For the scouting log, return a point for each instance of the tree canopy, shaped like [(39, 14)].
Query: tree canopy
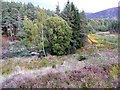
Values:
[(59, 35), (72, 16)]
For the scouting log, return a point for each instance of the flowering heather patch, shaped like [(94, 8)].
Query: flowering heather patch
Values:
[(87, 77), (98, 69)]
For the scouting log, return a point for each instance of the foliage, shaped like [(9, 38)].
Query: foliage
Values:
[(73, 18), (34, 34), (54, 65), (81, 57), (27, 29), (114, 26), (100, 24), (29, 23), (17, 49), (59, 35), (41, 26), (57, 10), (89, 29), (13, 14)]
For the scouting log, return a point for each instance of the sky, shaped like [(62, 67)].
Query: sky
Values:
[(86, 5)]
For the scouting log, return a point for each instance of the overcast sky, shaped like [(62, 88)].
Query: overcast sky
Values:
[(86, 5)]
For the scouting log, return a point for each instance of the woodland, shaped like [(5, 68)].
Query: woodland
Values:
[(42, 48)]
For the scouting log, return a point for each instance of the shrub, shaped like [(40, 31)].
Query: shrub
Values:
[(59, 35), (81, 57), (87, 77), (54, 66)]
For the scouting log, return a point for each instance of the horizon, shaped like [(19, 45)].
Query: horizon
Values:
[(87, 6)]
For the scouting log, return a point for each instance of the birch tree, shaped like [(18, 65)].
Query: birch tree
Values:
[(41, 25)]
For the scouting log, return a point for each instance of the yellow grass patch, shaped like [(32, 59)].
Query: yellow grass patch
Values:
[(92, 38)]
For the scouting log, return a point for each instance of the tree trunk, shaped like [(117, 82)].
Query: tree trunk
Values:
[(43, 44)]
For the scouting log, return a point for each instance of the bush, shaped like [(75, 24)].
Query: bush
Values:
[(58, 35), (81, 57), (54, 65)]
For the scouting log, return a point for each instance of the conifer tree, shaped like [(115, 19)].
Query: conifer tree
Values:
[(27, 29), (72, 16), (57, 10)]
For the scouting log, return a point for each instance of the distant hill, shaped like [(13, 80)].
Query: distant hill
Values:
[(88, 13), (108, 13)]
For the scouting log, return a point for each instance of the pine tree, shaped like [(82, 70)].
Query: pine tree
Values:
[(57, 10), (27, 29), (72, 16), (66, 13)]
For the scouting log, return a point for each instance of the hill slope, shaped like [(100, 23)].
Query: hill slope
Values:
[(108, 13)]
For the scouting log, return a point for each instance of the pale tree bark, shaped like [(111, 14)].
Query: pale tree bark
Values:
[(41, 23), (43, 42)]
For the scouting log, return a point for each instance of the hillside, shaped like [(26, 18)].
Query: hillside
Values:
[(108, 13)]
